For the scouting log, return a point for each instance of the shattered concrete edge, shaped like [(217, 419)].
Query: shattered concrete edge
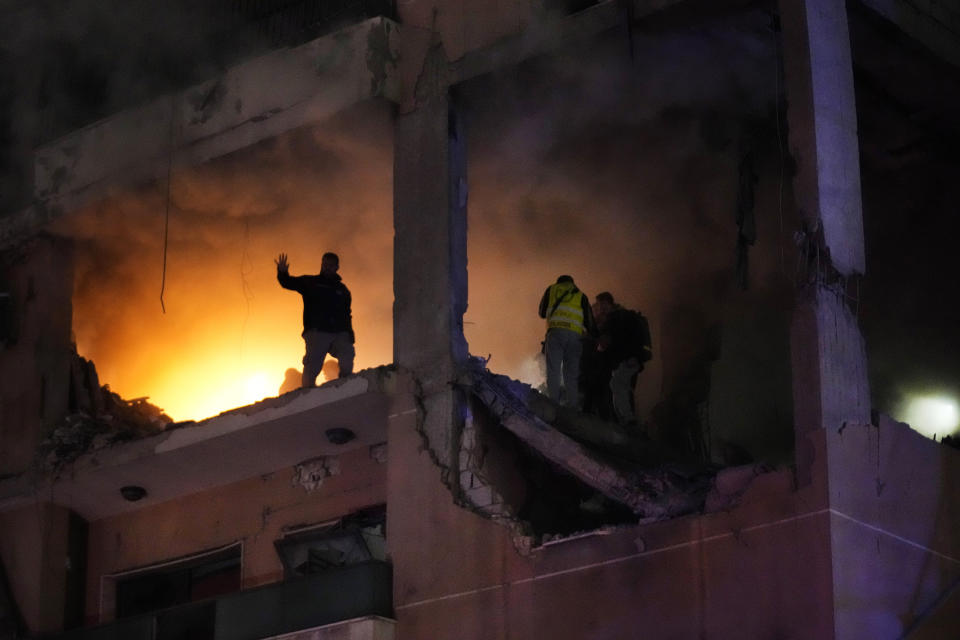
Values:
[(520, 531), (657, 493), (38, 479)]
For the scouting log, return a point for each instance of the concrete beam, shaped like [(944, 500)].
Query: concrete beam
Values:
[(253, 101), (823, 127), (651, 492)]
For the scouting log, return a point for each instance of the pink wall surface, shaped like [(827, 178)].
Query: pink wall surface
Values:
[(253, 512)]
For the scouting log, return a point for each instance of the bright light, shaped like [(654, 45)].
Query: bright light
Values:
[(258, 386), (932, 415)]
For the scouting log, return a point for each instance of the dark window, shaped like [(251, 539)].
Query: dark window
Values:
[(194, 579), (76, 583), (355, 538), (6, 318)]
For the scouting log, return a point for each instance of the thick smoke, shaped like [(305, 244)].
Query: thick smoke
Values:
[(622, 173), (67, 63), (227, 322)]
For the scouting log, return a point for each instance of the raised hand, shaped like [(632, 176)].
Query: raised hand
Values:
[(283, 266)]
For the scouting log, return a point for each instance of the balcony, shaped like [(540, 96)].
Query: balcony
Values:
[(342, 594)]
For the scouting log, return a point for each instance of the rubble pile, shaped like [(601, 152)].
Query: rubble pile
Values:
[(97, 418)]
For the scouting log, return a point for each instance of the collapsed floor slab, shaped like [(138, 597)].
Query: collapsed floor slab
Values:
[(650, 491)]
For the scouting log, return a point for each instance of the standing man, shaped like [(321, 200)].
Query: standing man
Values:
[(567, 312), (624, 346), (327, 322)]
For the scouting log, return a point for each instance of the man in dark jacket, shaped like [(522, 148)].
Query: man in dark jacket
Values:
[(623, 347), (327, 322)]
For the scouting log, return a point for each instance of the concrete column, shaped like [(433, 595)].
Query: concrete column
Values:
[(34, 550), (36, 358), (823, 126), (430, 262), (830, 384)]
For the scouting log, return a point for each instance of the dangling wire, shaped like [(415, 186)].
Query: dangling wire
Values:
[(166, 219), (246, 266)]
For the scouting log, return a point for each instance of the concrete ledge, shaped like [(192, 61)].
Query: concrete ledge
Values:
[(242, 443)]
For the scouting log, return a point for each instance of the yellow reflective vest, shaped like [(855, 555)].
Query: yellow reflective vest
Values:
[(565, 308)]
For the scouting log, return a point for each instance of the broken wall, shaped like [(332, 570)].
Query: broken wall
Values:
[(36, 354), (625, 173), (760, 570)]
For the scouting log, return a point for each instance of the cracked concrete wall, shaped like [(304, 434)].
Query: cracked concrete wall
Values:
[(760, 570), (894, 513), (35, 362), (430, 262), (829, 363), (254, 511), (829, 358)]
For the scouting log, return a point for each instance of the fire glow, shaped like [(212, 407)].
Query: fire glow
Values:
[(227, 333)]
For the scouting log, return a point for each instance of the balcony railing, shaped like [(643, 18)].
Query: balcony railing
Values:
[(353, 591)]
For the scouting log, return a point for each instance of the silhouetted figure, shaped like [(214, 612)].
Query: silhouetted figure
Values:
[(292, 379), (331, 370), (327, 321), (623, 346), (567, 312)]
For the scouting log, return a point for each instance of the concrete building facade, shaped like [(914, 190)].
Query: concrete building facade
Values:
[(253, 514)]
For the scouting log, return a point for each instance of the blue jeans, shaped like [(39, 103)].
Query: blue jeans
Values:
[(563, 349)]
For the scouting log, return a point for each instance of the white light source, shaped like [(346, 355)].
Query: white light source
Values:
[(932, 415)]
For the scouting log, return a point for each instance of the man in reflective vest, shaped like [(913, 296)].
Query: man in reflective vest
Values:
[(567, 312)]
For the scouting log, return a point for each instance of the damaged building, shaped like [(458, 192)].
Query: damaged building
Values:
[(735, 169)]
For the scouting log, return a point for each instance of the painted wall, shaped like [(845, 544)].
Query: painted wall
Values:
[(253, 512)]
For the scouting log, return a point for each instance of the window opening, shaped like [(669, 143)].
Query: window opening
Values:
[(194, 579), (355, 538)]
